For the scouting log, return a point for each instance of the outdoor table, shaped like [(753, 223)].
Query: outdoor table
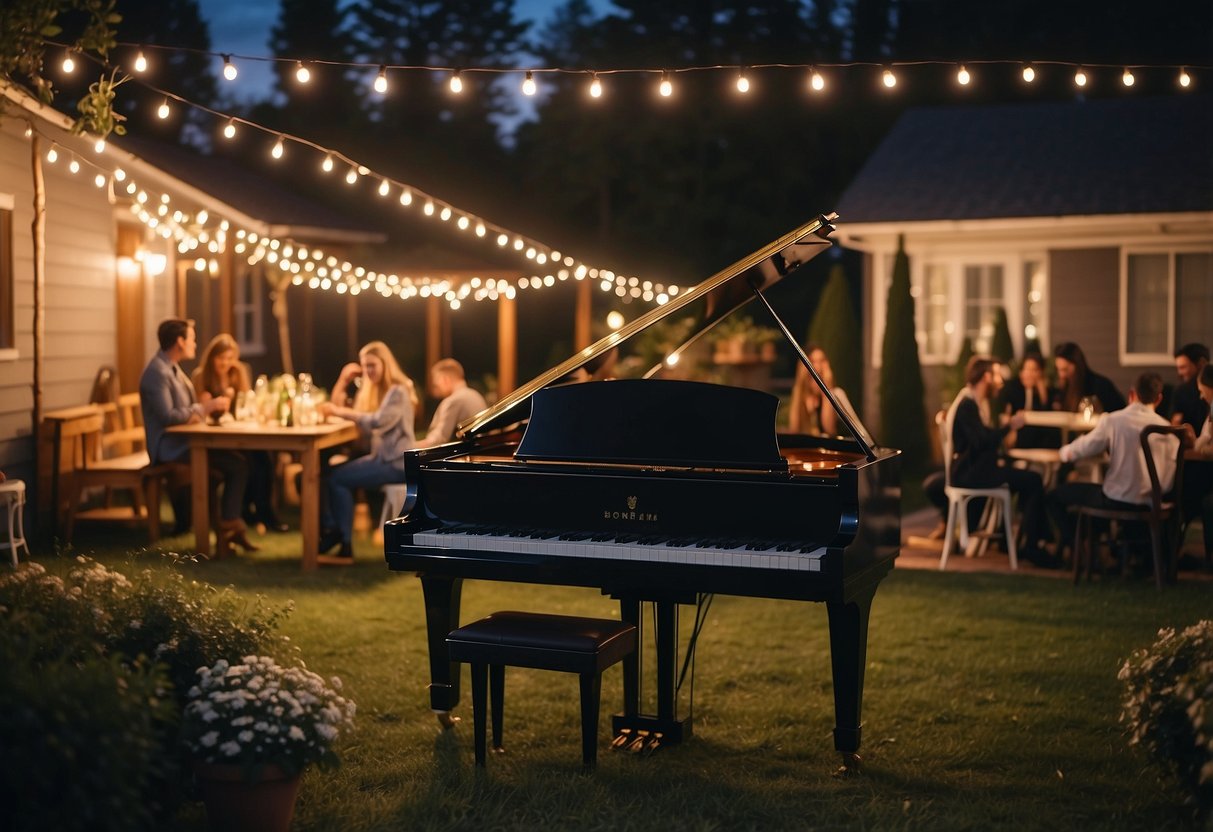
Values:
[(1066, 421), (251, 436), (1048, 460)]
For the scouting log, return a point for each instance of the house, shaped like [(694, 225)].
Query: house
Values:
[(1086, 220)]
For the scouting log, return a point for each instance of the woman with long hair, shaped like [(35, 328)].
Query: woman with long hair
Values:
[(1078, 381), (811, 411), (383, 409), (220, 372)]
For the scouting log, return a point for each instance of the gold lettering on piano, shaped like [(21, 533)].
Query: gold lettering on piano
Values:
[(631, 514)]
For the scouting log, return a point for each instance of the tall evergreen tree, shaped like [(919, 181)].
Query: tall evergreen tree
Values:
[(1001, 346), (835, 329), (902, 411)]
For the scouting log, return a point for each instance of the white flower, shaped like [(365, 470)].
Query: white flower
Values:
[(209, 739), (296, 733), (231, 748), (325, 730), (245, 736)]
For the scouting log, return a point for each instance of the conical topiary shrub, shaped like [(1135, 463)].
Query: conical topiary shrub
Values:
[(835, 329), (903, 422)]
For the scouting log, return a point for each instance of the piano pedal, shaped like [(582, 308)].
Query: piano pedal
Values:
[(623, 738), (637, 745), (654, 743)]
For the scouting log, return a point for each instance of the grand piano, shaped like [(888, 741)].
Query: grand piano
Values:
[(659, 490)]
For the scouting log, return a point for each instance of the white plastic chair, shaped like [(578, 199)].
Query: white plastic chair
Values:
[(393, 501), (998, 502), (12, 495)]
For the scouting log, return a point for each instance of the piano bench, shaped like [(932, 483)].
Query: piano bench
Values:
[(585, 646)]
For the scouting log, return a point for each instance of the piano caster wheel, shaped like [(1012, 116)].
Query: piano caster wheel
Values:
[(447, 720), (851, 764)]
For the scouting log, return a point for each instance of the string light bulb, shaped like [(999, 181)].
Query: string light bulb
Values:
[(163, 109), (962, 76), (52, 155), (69, 64), (743, 82), (74, 166), (1127, 78), (595, 86), (1080, 77), (229, 68), (456, 83), (327, 164), (384, 188), (351, 176), (99, 146), (888, 78), (279, 148), (1029, 74), (429, 209), (406, 197), (666, 88), (816, 82), (229, 129), (302, 73), (140, 62), (1185, 80), (381, 81), (528, 84), (99, 180)]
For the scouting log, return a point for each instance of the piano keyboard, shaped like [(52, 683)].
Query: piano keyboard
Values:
[(746, 554)]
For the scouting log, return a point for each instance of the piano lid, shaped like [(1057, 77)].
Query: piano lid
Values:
[(722, 293)]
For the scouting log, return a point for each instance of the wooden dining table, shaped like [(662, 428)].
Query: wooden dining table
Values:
[(306, 441), (1064, 420)]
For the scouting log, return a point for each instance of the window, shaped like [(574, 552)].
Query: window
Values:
[(932, 311), (8, 338), (1034, 316), (246, 311), (983, 294), (1166, 300)]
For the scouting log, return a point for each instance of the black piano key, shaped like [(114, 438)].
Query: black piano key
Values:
[(575, 536), (627, 538)]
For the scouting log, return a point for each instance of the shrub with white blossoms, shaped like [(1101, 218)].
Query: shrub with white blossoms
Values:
[(258, 713)]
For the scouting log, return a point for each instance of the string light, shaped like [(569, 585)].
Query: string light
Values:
[(229, 129), (528, 84), (381, 81), (163, 109), (99, 146), (406, 197), (743, 82), (429, 208), (302, 73), (74, 165), (888, 78), (384, 188), (229, 68), (327, 164), (595, 86), (52, 155), (99, 180), (1080, 77), (1127, 78), (816, 82), (1029, 74), (351, 176), (666, 88), (1185, 80), (962, 76), (456, 83), (69, 65), (279, 148), (140, 62)]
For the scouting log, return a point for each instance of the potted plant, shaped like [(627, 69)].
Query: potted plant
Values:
[(252, 728)]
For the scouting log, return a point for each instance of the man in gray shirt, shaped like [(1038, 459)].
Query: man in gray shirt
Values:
[(459, 402)]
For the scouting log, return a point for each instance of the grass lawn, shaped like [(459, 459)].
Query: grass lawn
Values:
[(991, 703)]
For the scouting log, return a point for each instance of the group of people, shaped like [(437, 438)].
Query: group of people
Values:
[(383, 406), (987, 416)]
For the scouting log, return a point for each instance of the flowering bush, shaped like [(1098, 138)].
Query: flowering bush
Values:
[(258, 713), (1168, 707)]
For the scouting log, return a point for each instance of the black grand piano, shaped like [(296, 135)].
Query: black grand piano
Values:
[(658, 490)]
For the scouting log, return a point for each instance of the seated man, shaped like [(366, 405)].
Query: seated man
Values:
[(1126, 484), (166, 397), (459, 402), (1188, 407), (975, 448)]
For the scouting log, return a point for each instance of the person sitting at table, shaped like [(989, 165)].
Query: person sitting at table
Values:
[(1030, 390), (222, 373), (975, 453), (1078, 381), (1198, 469), (166, 398), (459, 402), (811, 411), (1126, 484), (1188, 407), (383, 410)]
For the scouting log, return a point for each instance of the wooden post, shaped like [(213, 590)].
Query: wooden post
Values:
[(38, 230), (282, 315), (128, 305), (507, 346), (433, 332), (582, 315), (227, 263)]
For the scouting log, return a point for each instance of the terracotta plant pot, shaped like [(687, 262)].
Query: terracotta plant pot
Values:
[(234, 804)]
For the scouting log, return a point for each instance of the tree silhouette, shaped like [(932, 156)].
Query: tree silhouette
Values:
[(1001, 346), (902, 414), (835, 329)]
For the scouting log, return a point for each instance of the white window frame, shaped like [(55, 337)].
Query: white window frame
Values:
[(8, 203), (1149, 359), (252, 342)]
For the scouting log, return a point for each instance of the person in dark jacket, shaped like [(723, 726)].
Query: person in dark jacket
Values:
[(1030, 390), (975, 459), (1187, 406), (1078, 381)]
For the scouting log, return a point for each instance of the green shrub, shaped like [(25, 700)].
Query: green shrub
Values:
[(903, 418), (1168, 707)]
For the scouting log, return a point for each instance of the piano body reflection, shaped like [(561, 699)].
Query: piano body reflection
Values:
[(658, 490)]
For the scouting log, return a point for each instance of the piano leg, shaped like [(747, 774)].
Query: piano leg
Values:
[(629, 613), (848, 656), (442, 600), (646, 732)]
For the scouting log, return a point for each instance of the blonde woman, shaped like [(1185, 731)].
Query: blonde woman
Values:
[(383, 409), (811, 412), (220, 372)]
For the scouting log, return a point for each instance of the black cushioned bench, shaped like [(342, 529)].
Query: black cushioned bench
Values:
[(585, 646)]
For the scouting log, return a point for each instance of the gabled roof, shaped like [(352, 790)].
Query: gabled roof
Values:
[(1050, 159)]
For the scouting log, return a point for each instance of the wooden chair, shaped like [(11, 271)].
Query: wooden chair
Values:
[(998, 505), (1162, 511), (131, 472)]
